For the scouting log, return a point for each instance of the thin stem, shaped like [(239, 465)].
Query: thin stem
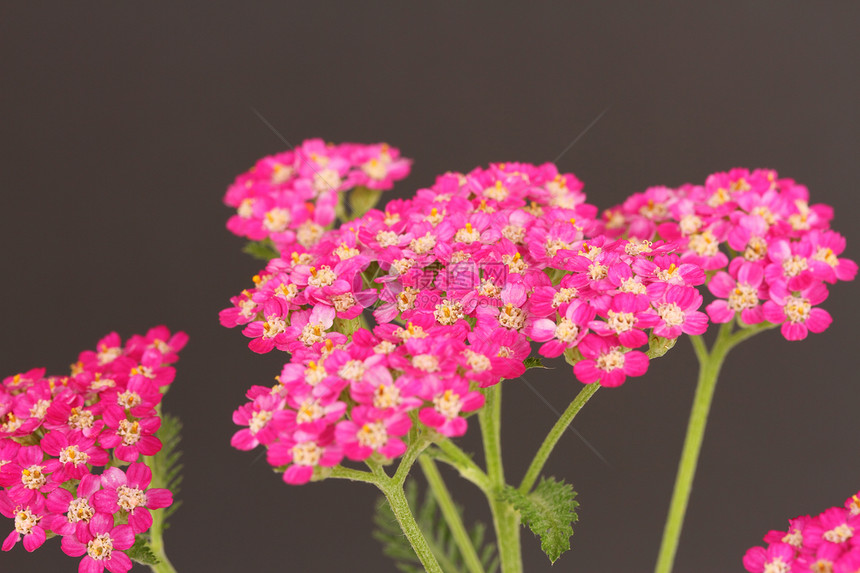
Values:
[(400, 508), (341, 472), (156, 543), (451, 454), (506, 520), (709, 370), (392, 488), (412, 452), (554, 436), (452, 516)]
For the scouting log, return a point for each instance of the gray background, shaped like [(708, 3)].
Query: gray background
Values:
[(123, 124)]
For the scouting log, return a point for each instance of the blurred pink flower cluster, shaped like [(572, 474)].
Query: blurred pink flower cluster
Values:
[(826, 543), (772, 253), (292, 196), (62, 438)]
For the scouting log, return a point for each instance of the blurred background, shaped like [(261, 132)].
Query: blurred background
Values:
[(123, 124)]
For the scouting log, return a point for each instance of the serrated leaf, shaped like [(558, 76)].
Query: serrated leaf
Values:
[(264, 250), (166, 465), (549, 513), (362, 200), (141, 552), (533, 362), (435, 530)]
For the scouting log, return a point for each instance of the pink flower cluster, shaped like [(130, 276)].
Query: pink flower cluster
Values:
[(770, 252), (827, 543), (292, 196), (458, 280), (55, 432)]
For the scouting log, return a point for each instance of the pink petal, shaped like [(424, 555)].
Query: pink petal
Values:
[(794, 330), (819, 320), (35, 539), (635, 363), (118, 563), (123, 536), (140, 520), (12, 539), (72, 547), (157, 498), (587, 371), (139, 475), (90, 565)]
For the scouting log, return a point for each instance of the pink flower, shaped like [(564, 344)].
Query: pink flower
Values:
[(797, 313), (75, 452), (127, 491), (677, 312), (71, 514), (131, 438), (606, 363), (102, 546), (264, 417), (566, 331), (777, 557), (27, 476), (625, 316), (373, 430), (450, 398), (741, 296), (300, 453), (27, 522), (270, 332)]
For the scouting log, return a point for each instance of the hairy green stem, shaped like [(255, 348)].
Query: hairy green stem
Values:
[(400, 508), (451, 454), (451, 515), (554, 436), (392, 488), (710, 363), (506, 520)]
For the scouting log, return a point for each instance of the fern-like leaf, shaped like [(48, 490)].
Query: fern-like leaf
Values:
[(141, 552), (166, 464), (435, 529), (264, 250), (549, 513)]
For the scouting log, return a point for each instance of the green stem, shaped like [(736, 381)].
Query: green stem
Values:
[(506, 520), (554, 436), (341, 472), (392, 488), (451, 454), (452, 516), (400, 508), (156, 543), (709, 370)]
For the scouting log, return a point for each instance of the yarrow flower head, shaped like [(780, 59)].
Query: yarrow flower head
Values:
[(828, 542), (58, 434), (461, 278)]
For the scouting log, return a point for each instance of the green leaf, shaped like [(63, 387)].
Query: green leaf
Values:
[(533, 362), (549, 513), (141, 552), (362, 200), (435, 530), (264, 250), (166, 465)]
